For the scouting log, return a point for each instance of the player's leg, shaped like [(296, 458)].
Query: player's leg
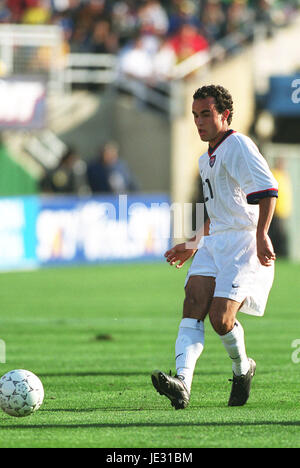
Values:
[(222, 316), (190, 342), (199, 291), (189, 345)]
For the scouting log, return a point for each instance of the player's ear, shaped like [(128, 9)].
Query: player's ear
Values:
[(225, 114)]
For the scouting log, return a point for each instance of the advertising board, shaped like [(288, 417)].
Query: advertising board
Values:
[(64, 230)]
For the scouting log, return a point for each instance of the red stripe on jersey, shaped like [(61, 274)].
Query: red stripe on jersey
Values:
[(261, 191), (254, 197)]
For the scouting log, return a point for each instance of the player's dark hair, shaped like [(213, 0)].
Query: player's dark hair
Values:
[(221, 95)]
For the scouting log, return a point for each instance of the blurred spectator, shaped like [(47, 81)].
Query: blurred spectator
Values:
[(213, 20), (108, 174), (153, 18), (5, 13), (65, 5), (239, 23), (188, 41), (80, 37), (180, 12), (164, 61), (38, 14), (61, 5), (263, 15), (124, 20), (148, 62), (68, 177), (136, 62), (19, 7), (238, 17), (103, 40), (85, 18), (278, 229)]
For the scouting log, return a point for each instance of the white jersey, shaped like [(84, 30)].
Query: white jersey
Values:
[(235, 177)]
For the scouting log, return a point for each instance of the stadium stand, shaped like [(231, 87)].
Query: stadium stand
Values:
[(145, 48), (147, 40), (156, 31)]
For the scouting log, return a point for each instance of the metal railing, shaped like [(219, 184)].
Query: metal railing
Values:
[(90, 68), (103, 69), (33, 50)]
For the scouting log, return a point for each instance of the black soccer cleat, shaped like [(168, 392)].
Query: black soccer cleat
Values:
[(171, 387), (241, 384)]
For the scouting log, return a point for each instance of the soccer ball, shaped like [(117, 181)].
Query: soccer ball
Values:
[(21, 393)]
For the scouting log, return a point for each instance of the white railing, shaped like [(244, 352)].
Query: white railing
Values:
[(90, 68), (32, 50), (104, 69)]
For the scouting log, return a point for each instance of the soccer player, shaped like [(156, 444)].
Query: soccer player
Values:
[(233, 265)]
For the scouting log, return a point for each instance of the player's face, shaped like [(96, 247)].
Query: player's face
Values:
[(209, 122)]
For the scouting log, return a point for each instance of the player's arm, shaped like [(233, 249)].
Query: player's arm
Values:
[(182, 252), (265, 251), (248, 167)]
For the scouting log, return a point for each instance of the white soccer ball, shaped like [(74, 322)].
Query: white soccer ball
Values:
[(21, 393)]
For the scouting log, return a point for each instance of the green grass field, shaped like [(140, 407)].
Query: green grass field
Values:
[(94, 334)]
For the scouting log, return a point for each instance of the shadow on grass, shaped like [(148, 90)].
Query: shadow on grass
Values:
[(93, 374), (157, 425), (110, 373)]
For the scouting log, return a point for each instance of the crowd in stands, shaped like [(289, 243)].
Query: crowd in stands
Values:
[(149, 35)]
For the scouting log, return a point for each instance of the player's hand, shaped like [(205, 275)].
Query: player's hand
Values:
[(265, 251), (179, 255)]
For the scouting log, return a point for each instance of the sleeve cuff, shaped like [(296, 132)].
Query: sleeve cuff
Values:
[(255, 197)]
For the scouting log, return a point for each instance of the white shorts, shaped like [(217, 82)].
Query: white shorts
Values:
[(230, 257)]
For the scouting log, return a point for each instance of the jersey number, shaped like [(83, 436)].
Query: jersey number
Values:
[(210, 190)]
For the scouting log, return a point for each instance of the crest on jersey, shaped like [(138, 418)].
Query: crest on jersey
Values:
[(212, 160)]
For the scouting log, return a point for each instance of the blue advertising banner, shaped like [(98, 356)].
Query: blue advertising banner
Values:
[(284, 96), (102, 229), (18, 232), (44, 231)]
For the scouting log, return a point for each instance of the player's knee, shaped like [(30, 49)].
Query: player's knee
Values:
[(192, 305), (221, 323)]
